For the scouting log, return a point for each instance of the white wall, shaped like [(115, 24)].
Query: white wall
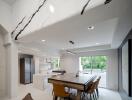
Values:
[(5, 16), (124, 24), (71, 64), (36, 61), (2, 67)]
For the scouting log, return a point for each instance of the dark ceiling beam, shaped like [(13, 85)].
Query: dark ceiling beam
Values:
[(18, 26), (85, 7), (32, 16), (107, 1)]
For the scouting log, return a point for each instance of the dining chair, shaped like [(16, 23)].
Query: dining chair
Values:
[(59, 91), (97, 84), (93, 89), (28, 97)]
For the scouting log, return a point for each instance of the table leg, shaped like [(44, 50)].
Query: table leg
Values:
[(78, 95)]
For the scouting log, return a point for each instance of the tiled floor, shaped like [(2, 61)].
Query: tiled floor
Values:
[(47, 95)]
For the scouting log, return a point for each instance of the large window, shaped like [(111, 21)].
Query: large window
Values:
[(56, 63), (92, 63), (95, 65)]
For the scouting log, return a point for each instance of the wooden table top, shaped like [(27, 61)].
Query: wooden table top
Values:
[(83, 79), (80, 83)]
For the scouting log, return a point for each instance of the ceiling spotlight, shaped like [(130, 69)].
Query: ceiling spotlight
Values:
[(52, 9), (90, 27), (71, 42), (43, 40)]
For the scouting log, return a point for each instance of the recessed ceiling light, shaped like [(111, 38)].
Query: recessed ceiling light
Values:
[(43, 40), (97, 43), (52, 9), (90, 27)]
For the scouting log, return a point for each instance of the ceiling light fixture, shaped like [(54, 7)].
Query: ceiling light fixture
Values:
[(70, 52), (52, 9), (43, 40), (90, 27), (97, 43)]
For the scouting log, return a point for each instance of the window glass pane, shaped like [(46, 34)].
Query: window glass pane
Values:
[(94, 62), (86, 62), (95, 65), (55, 63)]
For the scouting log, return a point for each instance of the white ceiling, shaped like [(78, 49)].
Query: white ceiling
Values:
[(104, 18), (93, 48), (58, 35), (10, 2)]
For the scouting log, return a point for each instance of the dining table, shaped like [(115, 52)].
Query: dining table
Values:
[(80, 82)]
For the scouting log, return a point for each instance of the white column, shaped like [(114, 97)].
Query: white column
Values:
[(36, 61), (2, 66), (11, 67)]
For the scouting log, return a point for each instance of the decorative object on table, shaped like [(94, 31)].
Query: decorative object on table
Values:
[(77, 74)]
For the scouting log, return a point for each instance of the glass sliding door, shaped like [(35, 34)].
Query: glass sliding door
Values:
[(95, 65)]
